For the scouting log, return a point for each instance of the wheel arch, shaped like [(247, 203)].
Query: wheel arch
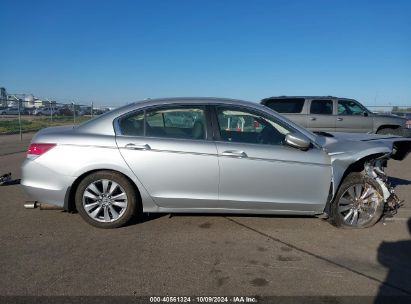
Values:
[(357, 166), (355, 178), (69, 202), (387, 126)]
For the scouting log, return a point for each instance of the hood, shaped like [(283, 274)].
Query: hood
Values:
[(361, 145), (359, 136), (389, 116)]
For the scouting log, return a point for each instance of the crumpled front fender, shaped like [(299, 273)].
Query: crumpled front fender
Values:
[(342, 157), (341, 161)]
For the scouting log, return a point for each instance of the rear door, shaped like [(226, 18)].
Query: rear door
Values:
[(320, 115), (168, 150)]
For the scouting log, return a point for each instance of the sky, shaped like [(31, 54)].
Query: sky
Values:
[(116, 52)]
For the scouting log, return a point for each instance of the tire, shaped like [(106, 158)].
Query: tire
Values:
[(98, 206), (390, 131), (364, 212)]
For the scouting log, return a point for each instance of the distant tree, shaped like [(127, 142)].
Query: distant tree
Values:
[(395, 109)]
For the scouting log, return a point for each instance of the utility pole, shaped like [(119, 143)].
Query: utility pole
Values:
[(74, 113), (19, 109), (51, 109)]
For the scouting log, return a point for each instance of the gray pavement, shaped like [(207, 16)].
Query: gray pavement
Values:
[(57, 253)]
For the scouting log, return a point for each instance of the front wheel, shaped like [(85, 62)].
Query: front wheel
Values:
[(106, 199), (359, 202), (390, 131)]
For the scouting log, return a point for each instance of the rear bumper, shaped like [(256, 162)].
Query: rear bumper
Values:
[(44, 185), (44, 195)]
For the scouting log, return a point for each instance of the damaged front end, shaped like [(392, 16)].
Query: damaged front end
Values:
[(374, 168), (368, 155)]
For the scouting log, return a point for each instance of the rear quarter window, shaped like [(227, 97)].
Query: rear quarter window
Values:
[(286, 105)]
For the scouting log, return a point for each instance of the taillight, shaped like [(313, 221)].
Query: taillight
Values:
[(39, 149)]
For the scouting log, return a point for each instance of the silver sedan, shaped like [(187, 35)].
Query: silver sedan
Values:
[(213, 156)]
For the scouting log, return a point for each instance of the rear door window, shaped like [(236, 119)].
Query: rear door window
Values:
[(286, 105), (133, 125), (321, 106), (177, 122), (184, 122)]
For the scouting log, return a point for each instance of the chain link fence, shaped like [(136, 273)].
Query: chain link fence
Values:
[(20, 118)]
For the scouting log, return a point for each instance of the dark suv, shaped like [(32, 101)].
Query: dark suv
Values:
[(334, 114)]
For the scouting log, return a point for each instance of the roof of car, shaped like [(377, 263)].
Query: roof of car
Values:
[(109, 116), (191, 100), (305, 97), (188, 100)]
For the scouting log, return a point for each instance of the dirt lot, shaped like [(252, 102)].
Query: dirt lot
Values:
[(57, 253)]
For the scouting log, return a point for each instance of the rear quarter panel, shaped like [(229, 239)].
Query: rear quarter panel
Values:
[(76, 154)]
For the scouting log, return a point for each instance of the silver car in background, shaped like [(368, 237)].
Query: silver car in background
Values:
[(222, 156)]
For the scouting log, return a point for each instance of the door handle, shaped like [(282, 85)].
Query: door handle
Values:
[(313, 118), (339, 119), (137, 147), (234, 153)]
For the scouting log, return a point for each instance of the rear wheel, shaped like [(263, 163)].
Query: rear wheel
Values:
[(106, 199), (359, 202)]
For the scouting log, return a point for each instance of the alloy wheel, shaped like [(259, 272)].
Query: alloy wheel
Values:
[(359, 204), (104, 200)]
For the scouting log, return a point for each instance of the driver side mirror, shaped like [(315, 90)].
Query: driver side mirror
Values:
[(365, 114), (297, 141)]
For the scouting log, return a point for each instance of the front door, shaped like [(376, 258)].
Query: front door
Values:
[(351, 117), (259, 172)]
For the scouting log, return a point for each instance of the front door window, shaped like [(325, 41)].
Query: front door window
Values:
[(349, 107), (242, 126)]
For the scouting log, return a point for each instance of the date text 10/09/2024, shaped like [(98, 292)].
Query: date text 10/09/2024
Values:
[(171, 299)]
